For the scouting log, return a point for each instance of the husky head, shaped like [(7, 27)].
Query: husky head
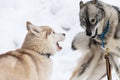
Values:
[(91, 13), (42, 39)]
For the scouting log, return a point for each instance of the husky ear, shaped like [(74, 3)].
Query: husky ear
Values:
[(28, 25), (31, 28), (81, 4), (94, 1)]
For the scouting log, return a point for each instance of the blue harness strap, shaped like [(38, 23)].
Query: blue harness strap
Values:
[(102, 36)]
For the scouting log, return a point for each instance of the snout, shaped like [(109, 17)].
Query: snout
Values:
[(63, 34), (59, 37), (88, 33)]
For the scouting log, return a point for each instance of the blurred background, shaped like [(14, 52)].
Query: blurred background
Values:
[(61, 15)]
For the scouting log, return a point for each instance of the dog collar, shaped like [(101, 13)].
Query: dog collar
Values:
[(46, 54), (102, 35)]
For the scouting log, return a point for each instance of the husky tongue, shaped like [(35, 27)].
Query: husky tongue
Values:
[(59, 46)]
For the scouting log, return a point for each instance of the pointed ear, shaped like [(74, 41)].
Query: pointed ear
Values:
[(94, 1), (31, 28), (81, 4), (29, 25)]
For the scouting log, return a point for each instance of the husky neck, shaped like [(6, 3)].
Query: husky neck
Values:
[(43, 54), (46, 54), (111, 15), (31, 52), (38, 45)]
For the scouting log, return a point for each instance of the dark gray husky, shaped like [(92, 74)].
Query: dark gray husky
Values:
[(98, 19)]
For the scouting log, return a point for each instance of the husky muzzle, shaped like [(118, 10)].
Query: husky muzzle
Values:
[(90, 33)]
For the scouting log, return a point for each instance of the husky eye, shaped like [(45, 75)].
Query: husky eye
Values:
[(93, 21), (53, 32)]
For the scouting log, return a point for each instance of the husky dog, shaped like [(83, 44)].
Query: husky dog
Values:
[(94, 17), (32, 61)]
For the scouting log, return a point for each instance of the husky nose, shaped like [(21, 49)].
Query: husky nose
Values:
[(63, 34), (88, 33)]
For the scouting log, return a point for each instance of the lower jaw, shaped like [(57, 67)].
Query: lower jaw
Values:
[(58, 49)]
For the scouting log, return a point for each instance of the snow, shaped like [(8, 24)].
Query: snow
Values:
[(59, 14)]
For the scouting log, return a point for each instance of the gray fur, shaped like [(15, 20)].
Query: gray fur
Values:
[(95, 1), (81, 4), (90, 69), (117, 34)]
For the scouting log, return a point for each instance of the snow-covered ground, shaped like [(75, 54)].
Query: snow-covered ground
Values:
[(61, 15)]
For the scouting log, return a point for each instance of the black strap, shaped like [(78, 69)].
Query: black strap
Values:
[(46, 54)]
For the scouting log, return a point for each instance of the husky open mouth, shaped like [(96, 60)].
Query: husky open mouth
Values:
[(58, 45)]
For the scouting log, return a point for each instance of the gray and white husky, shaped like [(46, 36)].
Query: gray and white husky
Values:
[(95, 18)]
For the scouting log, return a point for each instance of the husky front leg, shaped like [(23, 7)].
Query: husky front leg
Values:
[(115, 64), (80, 71), (99, 72), (87, 66)]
